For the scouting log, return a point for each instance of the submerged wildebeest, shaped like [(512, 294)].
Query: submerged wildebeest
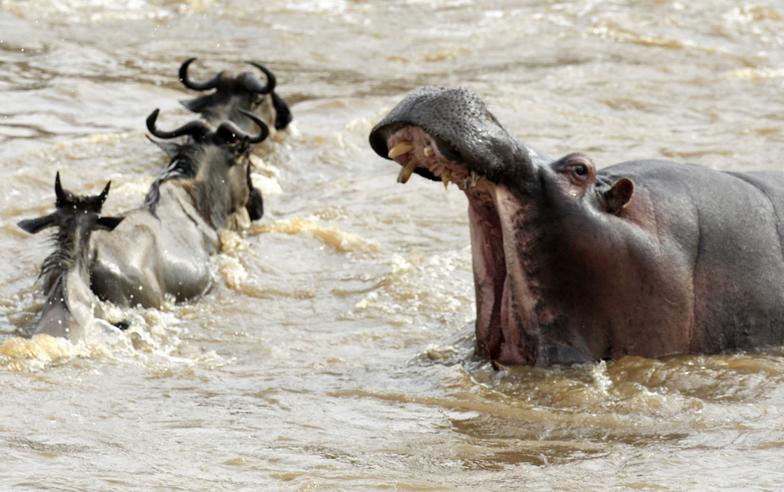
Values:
[(65, 273), (233, 97), (164, 247), (572, 264), (234, 94)]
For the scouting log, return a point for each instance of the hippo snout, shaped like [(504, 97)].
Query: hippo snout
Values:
[(462, 127)]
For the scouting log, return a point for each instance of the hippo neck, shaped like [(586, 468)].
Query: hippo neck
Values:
[(520, 261)]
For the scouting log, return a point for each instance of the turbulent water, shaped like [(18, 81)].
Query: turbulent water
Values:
[(335, 350)]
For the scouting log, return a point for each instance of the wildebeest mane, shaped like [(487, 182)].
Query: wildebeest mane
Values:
[(182, 166)]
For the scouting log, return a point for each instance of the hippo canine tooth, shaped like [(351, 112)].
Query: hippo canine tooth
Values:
[(405, 173), (400, 149), (474, 178), (445, 178)]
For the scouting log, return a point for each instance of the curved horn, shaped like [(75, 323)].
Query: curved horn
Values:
[(197, 129), (229, 131), (254, 85), (196, 84)]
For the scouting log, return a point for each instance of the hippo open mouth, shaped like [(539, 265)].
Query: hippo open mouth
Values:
[(494, 214), (427, 137)]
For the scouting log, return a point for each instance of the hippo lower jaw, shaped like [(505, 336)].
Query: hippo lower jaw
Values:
[(506, 303)]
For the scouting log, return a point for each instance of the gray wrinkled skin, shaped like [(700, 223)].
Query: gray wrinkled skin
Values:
[(681, 259), (464, 128)]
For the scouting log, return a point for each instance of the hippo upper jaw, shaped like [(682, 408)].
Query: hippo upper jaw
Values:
[(458, 125)]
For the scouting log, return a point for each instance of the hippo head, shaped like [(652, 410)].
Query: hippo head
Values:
[(216, 162), (521, 209), (235, 93)]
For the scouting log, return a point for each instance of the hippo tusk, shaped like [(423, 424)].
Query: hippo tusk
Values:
[(405, 173), (196, 84), (445, 178), (400, 149)]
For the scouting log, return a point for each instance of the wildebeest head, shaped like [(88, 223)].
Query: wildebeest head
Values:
[(234, 93), (217, 165), (74, 212), (75, 217)]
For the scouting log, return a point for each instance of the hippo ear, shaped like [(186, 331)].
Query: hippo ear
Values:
[(36, 225), (619, 195), (108, 223)]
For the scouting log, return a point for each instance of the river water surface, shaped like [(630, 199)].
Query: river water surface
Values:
[(335, 350)]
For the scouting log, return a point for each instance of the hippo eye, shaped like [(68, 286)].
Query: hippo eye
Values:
[(580, 170)]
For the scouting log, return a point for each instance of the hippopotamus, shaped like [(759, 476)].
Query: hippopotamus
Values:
[(572, 264)]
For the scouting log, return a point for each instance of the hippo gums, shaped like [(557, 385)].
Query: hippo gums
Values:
[(65, 276), (234, 93), (572, 264)]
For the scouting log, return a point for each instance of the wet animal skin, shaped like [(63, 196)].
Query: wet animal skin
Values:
[(574, 264)]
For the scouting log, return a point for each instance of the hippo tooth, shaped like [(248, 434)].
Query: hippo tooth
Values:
[(405, 173), (445, 178), (400, 149), (428, 151)]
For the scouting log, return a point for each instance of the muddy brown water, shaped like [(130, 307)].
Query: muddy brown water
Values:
[(334, 351)]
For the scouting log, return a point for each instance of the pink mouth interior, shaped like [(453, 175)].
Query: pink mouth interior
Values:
[(436, 163), (493, 238)]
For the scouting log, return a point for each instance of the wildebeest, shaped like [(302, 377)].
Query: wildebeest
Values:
[(65, 273), (164, 247), (234, 94)]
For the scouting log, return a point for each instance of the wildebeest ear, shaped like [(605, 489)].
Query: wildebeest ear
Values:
[(282, 112), (35, 225), (197, 104), (619, 195), (169, 148), (255, 204), (108, 223)]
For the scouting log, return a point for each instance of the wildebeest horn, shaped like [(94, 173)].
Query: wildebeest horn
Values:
[(104, 193), (62, 197), (254, 85), (229, 131), (196, 128), (195, 84)]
